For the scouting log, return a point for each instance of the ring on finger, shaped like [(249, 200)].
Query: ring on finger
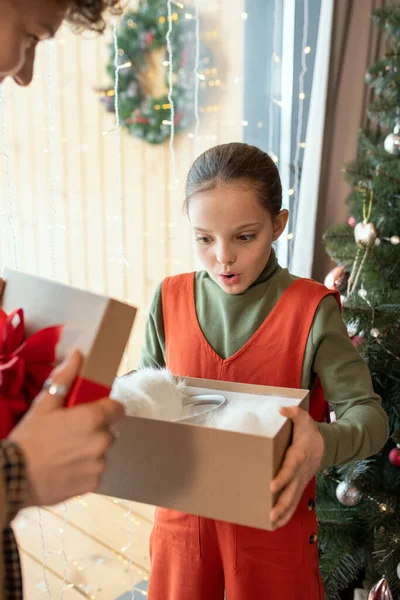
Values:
[(55, 389)]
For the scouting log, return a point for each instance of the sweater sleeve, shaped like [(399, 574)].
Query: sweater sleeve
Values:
[(153, 350), (361, 427)]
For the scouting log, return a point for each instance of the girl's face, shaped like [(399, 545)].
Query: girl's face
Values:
[(23, 24), (233, 234)]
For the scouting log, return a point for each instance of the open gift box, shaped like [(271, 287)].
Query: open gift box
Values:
[(96, 325), (193, 467)]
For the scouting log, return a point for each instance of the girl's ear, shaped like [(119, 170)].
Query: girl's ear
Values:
[(279, 223)]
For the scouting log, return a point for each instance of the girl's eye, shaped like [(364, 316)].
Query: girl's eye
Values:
[(246, 237), (203, 239)]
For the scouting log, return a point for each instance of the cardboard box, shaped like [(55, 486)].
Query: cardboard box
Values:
[(193, 468), (96, 325)]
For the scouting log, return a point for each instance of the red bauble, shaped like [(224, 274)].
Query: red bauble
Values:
[(394, 457), (149, 38), (380, 591)]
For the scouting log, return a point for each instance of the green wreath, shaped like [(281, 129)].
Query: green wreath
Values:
[(143, 49)]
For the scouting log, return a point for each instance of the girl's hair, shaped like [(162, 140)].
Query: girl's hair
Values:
[(234, 162)]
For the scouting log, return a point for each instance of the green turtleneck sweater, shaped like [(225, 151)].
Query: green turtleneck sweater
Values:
[(228, 321)]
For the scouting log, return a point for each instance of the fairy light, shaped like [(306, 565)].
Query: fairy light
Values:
[(64, 585), (123, 262), (128, 516), (273, 62), (196, 80), (51, 157), (10, 210), (300, 116), (44, 554), (170, 90)]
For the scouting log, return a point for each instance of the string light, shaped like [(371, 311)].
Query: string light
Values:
[(170, 90), (10, 211), (297, 170), (64, 585), (117, 68), (196, 81), (273, 63), (128, 516), (44, 554), (244, 16), (51, 156)]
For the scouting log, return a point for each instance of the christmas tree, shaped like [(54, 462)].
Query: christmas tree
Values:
[(359, 503)]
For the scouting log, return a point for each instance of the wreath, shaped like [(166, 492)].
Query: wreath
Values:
[(143, 76)]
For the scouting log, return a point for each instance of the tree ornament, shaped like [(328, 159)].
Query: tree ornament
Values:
[(392, 141), (398, 570), (351, 221), (337, 279), (380, 591), (394, 456), (357, 340), (348, 494), (365, 234)]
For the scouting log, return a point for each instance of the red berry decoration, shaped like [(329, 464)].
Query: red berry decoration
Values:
[(394, 457)]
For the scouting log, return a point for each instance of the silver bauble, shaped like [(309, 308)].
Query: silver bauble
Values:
[(392, 142), (348, 494)]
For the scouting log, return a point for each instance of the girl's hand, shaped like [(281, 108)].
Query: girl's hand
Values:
[(302, 461)]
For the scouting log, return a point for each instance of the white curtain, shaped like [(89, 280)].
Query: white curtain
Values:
[(304, 234)]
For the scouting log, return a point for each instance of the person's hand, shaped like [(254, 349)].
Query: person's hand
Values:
[(65, 448), (302, 461)]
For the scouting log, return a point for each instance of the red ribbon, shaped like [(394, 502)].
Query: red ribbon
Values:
[(25, 364), (86, 390)]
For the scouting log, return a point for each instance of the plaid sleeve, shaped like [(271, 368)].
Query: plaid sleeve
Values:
[(13, 470)]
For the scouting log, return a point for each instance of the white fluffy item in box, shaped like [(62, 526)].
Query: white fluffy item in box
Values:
[(154, 394)]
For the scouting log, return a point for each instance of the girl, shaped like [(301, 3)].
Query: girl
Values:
[(246, 319)]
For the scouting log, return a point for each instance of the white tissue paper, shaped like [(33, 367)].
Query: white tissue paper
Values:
[(154, 394), (150, 394), (257, 416)]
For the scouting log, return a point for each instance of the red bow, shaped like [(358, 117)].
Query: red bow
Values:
[(25, 364)]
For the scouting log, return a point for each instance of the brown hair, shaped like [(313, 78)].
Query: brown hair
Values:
[(89, 14), (232, 162)]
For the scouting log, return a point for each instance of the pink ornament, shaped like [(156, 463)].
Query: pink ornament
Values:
[(149, 38), (184, 58), (357, 340), (394, 457), (380, 591), (351, 221), (178, 118), (337, 278)]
